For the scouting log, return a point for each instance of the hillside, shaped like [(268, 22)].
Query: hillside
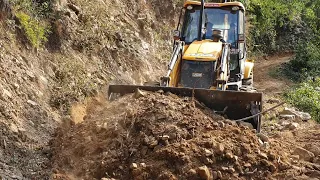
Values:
[(90, 44)]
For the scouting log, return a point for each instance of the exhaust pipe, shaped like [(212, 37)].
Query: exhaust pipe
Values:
[(200, 22)]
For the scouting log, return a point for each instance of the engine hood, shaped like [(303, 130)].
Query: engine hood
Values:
[(205, 50)]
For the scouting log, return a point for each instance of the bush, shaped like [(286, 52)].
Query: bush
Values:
[(306, 62), (35, 31), (306, 97), (72, 83)]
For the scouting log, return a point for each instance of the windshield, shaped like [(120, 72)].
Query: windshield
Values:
[(214, 18)]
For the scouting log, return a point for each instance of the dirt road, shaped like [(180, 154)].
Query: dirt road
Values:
[(298, 138), (263, 70)]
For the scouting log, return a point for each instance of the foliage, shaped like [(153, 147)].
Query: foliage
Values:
[(35, 31), (306, 62), (72, 83), (279, 26), (276, 24), (41, 9), (32, 17), (307, 97)]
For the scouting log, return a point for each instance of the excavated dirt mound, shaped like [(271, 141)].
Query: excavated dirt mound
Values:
[(160, 136)]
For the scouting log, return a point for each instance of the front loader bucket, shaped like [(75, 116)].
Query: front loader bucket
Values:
[(235, 104)]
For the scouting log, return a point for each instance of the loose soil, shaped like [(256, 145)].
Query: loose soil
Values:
[(162, 136)]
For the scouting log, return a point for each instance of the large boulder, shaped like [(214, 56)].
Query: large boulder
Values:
[(298, 114), (303, 154)]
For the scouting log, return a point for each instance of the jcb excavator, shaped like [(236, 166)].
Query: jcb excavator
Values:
[(209, 61)]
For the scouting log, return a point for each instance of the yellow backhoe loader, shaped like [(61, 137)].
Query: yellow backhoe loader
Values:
[(209, 61)]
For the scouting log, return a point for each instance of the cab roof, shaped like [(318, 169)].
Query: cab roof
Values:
[(211, 4)]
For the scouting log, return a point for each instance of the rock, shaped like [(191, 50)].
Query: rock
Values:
[(304, 116), (263, 155), (298, 114), (224, 168), (214, 175), (164, 137), (292, 126), (219, 149), (16, 86), (143, 165), (43, 82), (266, 145), (204, 172), (247, 165), (145, 45), (236, 158), (231, 123), (207, 152), (14, 128), (32, 103), (263, 137), (139, 93), (272, 167), (313, 148), (288, 111), (313, 173), (74, 8), (231, 170), (192, 172), (295, 157), (134, 166), (6, 93), (30, 75), (229, 155), (221, 124), (208, 161), (246, 124), (304, 154), (287, 117), (273, 101), (215, 124), (219, 174)]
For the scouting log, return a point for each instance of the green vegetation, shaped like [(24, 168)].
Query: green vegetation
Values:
[(35, 31), (306, 97), (279, 26), (72, 83), (32, 17)]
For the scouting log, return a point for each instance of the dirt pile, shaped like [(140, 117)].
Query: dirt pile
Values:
[(161, 136)]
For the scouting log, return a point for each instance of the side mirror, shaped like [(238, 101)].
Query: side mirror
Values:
[(176, 35)]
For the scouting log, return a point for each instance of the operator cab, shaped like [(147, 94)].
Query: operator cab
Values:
[(225, 17)]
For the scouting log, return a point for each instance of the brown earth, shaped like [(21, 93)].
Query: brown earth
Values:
[(161, 136), (263, 81)]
